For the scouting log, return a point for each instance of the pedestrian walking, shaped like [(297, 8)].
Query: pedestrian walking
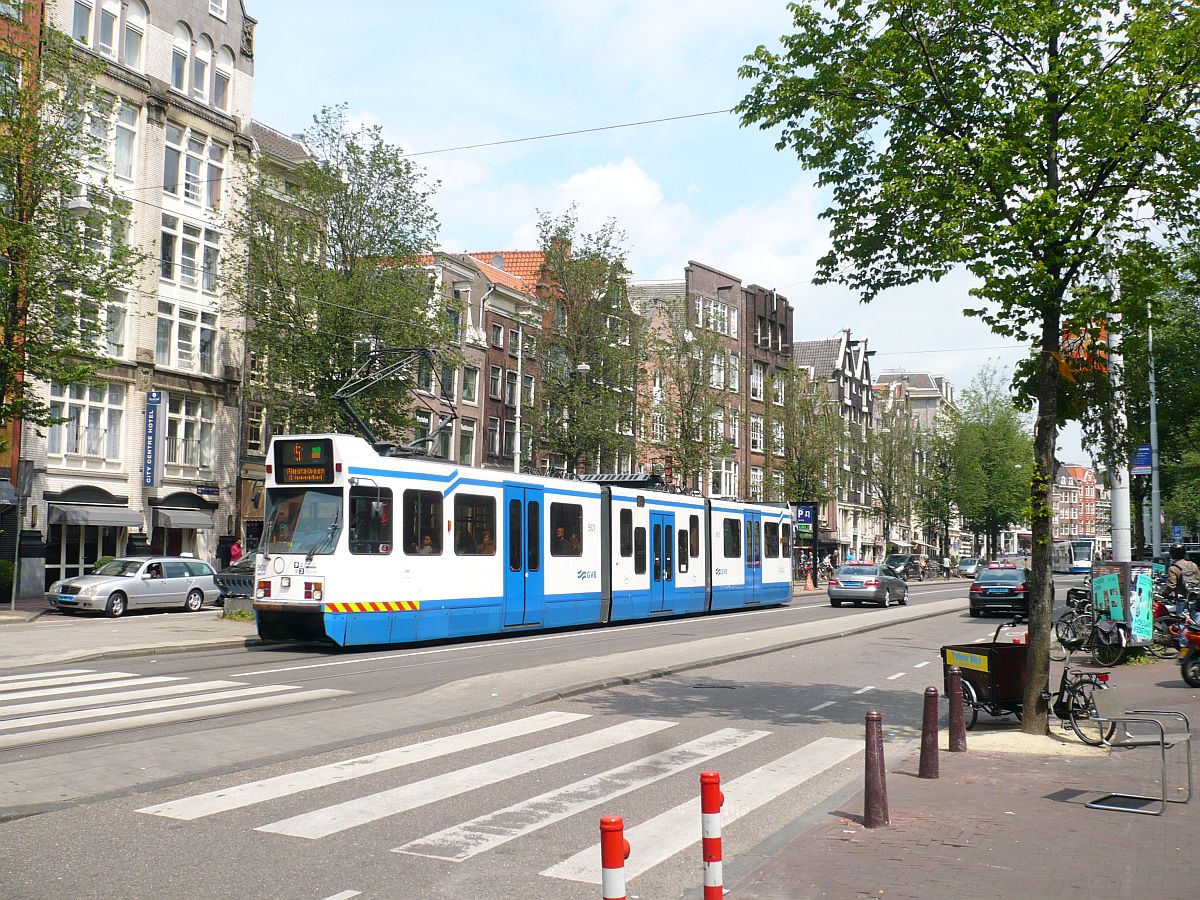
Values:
[(236, 552)]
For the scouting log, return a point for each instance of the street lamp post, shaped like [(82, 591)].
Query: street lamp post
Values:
[(520, 393)]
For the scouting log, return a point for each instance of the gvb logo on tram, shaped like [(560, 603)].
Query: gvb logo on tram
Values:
[(360, 548)]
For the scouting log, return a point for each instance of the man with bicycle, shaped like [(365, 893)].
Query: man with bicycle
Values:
[(1183, 577)]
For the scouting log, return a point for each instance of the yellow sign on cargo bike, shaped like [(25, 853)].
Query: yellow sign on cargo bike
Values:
[(964, 660)]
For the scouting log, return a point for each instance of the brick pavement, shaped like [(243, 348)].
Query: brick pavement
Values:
[(1006, 822)]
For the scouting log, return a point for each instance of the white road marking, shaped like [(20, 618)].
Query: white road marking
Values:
[(373, 807), (897, 675), (37, 675), (821, 706), (82, 688), (101, 711), (660, 838), (159, 718), (120, 696), (921, 664), (45, 681), (869, 687), (487, 832), (322, 776), (344, 895)]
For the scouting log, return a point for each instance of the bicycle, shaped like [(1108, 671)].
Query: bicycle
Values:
[(1068, 627), (1105, 639), (1075, 704)]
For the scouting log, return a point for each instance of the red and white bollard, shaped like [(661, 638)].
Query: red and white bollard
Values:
[(614, 850), (711, 801)]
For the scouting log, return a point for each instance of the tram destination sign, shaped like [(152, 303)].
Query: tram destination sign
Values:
[(308, 461)]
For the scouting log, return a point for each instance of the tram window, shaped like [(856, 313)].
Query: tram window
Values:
[(534, 529), (639, 551), (423, 523), (474, 525), (771, 539), (627, 532), (683, 550), (566, 529), (514, 535), (371, 519), (785, 540), (733, 539), (693, 537)]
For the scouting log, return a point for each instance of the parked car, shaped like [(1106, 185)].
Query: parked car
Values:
[(1001, 587), (907, 565), (236, 580), (969, 566), (860, 583), (137, 582)]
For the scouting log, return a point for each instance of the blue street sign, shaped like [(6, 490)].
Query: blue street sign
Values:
[(1177, 532), (1142, 459), (151, 455)]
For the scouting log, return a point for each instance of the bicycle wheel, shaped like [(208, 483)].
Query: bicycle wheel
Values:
[(970, 704), (1107, 654), (1058, 650), (1165, 645), (1081, 708), (1064, 628)]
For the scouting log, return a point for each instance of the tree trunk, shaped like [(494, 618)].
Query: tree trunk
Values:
[(1035, 718)]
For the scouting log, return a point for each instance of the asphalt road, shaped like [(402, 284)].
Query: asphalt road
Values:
[(475, 811)]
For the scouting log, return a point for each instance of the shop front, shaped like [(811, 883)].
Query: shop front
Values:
[(183, 523), (84, 524)]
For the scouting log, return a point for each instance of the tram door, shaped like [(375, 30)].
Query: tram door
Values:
[(753, 550), (524, 578), (662, 572)]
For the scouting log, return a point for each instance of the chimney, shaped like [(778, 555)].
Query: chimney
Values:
[(497, 260)]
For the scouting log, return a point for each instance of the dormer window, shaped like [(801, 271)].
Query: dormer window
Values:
[(180, 50), (135, 35), (200, 65)]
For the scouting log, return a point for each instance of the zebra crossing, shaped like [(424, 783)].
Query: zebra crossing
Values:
[(658, 838), (41, 707)]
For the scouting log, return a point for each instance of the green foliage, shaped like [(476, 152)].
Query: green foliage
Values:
[(812, 438), (330, 270), (61, 266), (937, 497), (684, 402), (891, 465), (238, 615), (6, 572), (587, 417)]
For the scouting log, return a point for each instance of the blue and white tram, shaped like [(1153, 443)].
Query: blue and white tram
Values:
[(360, 548), (1073, 556)]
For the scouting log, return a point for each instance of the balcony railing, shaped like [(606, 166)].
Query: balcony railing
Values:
[(184, 452)]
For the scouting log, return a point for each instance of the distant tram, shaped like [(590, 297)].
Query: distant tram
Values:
[(1073, 557), (361, 548)]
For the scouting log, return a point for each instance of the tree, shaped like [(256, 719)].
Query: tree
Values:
[(937, 486), (891, 452), (590, 348), (62, 229), (1006, 138), (685, 405), (812, 440), (994, 458), (329, 269)]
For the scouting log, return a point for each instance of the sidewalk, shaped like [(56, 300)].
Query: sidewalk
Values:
[(1006, 819)]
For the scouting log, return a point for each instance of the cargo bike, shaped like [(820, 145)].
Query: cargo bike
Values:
[(993, 680)]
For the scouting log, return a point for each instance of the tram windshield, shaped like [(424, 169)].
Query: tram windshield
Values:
[(302, 520)]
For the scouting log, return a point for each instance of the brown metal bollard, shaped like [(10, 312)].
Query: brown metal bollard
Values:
[(929, 735), (875, 805), (958, 730)]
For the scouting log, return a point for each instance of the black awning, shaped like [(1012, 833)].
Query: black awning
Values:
[(79, 514), (182, 518)]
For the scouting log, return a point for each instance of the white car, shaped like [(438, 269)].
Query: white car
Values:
[(137, 582)]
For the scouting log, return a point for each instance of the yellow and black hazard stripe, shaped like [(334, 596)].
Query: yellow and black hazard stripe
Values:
[(377, 606)]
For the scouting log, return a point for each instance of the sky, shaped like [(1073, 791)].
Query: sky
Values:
[(455, 73)]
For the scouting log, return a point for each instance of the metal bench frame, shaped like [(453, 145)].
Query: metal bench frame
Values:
[(1109, 708)]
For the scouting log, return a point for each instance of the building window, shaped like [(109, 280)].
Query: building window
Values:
[(756, 433), (470, 392), (716, 424), (514, 341), (733, 322), (200, 64), (510, 436), (658, 427), (777, 441), (256, 420), (757, 377), (222, 79), (172, 156), (756, 483), (735, 430), (510, 388), (92, 426), (186, 338), (114, 324), (724, 478), (217, 8), (135, 35), (735, 376), (193, 163), (110, 15), (466, 442), (495, 382), (190, 431), (716, 377), (527, 391), (212, 259), (498, 336), (124, 141), (81, 22), (216, 175), (778, 385), (493, 436), (181, 49)]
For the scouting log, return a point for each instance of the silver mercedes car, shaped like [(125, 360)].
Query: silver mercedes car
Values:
[(137, 582)]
